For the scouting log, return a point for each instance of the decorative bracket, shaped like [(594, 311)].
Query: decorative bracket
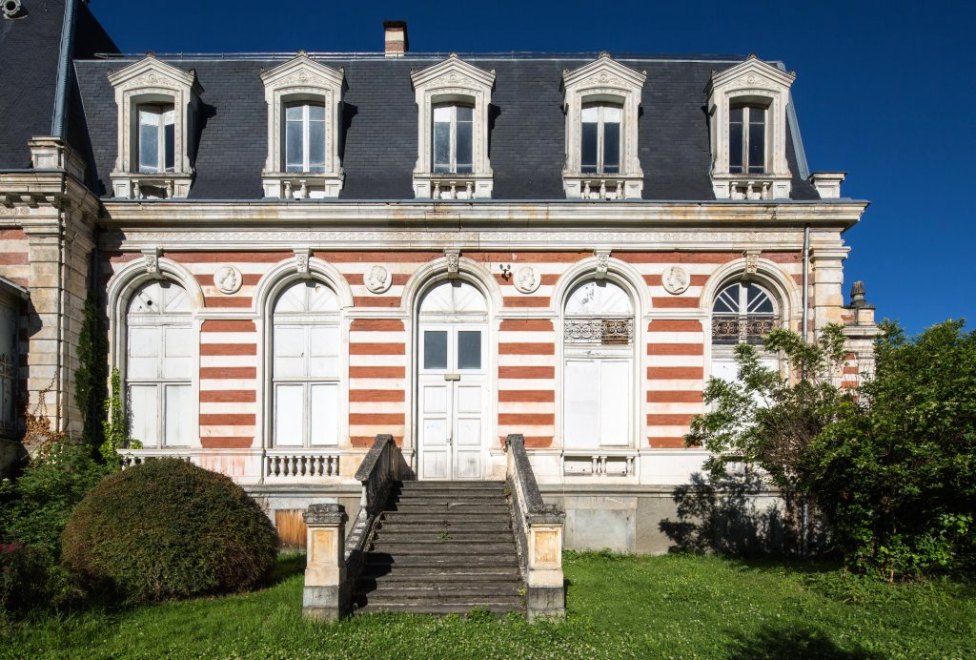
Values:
[(301, 260), (752, 261), (453, 257), (602, 263), (150, 258)]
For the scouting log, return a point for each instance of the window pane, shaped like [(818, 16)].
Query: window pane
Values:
[(590, 115), (289, 415), (464, 165), (442, 146), (435, 349), (325, 414), (316, 113), (612, 113), (758, 301), (735, 147), (757, 141), (170, 146), (143, 414), (148, 142), (464, 113), (581, 396), (316, 145), (443, 113), (611, 148), (178, 415), (469, 349), (588, 147), (294, 155)]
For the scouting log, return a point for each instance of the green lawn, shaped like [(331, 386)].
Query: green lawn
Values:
[(673, 606)]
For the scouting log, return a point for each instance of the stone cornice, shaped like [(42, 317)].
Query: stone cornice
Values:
[(242, 216)]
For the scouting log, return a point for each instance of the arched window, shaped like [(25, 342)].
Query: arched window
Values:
[(159, 365), (598, 353), (743, 312), (305, 372)]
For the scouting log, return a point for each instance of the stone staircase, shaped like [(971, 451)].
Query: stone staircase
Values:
[(442, 547)]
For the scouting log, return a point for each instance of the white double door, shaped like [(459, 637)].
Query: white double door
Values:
[(452, 401)]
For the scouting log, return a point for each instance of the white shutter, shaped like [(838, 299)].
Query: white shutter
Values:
[(325, 414), (289, 415), (582, 418), (144, 414), (179, 420), (614, 386)]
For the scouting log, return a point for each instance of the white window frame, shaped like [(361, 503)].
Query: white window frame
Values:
[(452, 148), (750, 83), (747, 116), (452, 81), (725, 352), (603, 81), (302, 80), (150, 82), (165, 116), (306, 142), (601, 123)]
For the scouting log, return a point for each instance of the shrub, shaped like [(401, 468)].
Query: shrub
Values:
[(168, 529)]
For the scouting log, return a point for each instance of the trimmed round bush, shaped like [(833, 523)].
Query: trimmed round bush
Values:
[(168, 529)]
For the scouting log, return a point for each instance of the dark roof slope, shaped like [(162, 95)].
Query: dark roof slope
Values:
[(526, 126), (29, 50)]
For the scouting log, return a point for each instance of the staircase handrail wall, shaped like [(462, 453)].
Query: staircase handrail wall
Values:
[(380, 469), (539, 535)]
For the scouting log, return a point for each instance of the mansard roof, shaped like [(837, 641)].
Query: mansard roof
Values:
[(526, 124)]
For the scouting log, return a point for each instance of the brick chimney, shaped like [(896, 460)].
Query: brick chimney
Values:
[(395, 38)]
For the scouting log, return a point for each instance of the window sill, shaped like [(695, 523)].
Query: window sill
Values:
[(452, 186), (138, 185), (603, 186), (302, 185), (751, 186)]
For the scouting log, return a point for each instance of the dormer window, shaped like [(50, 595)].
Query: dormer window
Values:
[(600, 139), (304, 115), (747, 110), (747, 139), (452, 141), (602, 101), (452, 131), (157, 107), (157, 138), (305, 137)]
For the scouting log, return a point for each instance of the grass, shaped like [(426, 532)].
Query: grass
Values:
[(618, 606)]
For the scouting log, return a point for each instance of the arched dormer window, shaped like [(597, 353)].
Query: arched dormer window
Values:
[(747, 111), (157, 107), (304, 101), (602, 102), (452, 131), (742, 313)]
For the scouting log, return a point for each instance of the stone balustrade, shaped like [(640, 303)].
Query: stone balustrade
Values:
[(603, 463)]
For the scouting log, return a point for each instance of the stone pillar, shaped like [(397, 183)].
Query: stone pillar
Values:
[(546, 594), (827, 296), (326, 595)]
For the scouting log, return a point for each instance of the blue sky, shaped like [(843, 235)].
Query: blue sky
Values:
[(885, 91)]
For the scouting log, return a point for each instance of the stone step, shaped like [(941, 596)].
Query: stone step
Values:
[(436, 562), (371, 589), (428, 603), (460, 535), (449, 507), (454, 517), (440, 608), (436, 527), (447, 500), (480, 494), (419, 485), (412, 574), (455, 548)]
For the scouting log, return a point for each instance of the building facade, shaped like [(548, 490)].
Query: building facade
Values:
[(295, 253)]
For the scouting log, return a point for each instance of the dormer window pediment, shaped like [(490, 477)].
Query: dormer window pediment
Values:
[(602, 102), (747, 114), (157, 107), (304, 117), (452, 98)]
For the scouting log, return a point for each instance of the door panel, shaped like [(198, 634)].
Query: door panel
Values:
[(452, 402)]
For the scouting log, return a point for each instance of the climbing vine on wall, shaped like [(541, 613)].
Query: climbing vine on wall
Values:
[(92, 374), (115, 426)]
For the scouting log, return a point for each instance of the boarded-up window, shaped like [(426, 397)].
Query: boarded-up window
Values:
[(305, 378), (160, 345)]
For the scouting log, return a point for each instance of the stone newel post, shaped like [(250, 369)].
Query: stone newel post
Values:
[(546, 596), (325, 596)]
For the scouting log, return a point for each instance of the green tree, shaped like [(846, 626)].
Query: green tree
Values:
[(896, 477)]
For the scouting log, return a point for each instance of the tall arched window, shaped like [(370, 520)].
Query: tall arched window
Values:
[(598, 354), (743, 313), (305, 373), (159, 365)]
